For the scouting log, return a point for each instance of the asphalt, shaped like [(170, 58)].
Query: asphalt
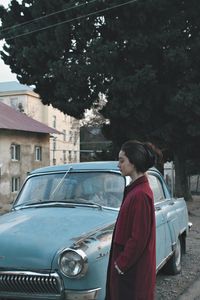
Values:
[(192, 292)]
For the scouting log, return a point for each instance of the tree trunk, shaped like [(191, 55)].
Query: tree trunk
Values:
[(181, 180)]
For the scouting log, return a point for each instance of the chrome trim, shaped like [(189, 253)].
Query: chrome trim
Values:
[(190, 225), (16, 206), (79, 241), (184, 229), (164, 262), (13, 282), (84, 259), (82, 295)]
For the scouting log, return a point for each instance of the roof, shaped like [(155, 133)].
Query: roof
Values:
[(82, 166), (14, 86), (111, 166), (14, 120)]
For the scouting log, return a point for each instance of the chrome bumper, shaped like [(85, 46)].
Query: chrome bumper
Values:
[(81, 295), (190, 225)]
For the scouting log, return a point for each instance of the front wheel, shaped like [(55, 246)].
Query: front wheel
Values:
[(173, 266)]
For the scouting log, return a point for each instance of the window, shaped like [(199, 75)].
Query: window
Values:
[(70, 135), (156, 187), (15, 184), (15, 152), (76, 134), (64, 135), (54, 121), (104, 188), (38, 153), (14, 102), (64, 156), (70, 155), (54, 143), (75, 156)]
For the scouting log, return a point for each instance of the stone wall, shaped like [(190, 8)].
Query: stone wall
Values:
[(19, 168)]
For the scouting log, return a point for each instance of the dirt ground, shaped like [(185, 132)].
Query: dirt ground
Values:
[(171, 287)]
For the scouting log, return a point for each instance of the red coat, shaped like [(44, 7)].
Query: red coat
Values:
[(133, 246)]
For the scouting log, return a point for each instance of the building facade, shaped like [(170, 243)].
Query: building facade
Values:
[(64, 147), (93, 145), (24, 146)]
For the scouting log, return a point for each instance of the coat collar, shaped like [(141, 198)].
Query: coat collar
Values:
[(140, 180)]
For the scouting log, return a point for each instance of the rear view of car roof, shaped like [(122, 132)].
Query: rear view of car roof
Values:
[(97, 165)]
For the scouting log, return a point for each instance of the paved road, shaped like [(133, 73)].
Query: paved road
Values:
[(191, 293)]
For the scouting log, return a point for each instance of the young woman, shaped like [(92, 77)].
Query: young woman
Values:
[(132, 265)]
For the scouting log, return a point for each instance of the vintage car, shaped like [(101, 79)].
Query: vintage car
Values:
[(55, 241)]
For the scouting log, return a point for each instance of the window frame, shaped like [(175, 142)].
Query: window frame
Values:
[(64, 135), (15, 184), (38, 153), (160, 188), (54, 121), (64, 156), (15, 152)]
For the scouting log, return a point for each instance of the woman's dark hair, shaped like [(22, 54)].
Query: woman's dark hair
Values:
[(142, 155)]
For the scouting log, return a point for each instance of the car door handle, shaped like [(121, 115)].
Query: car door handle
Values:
[(171, 203), (158, 208)]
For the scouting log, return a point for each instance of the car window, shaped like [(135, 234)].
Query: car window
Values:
[(104, 188), (156, 187)]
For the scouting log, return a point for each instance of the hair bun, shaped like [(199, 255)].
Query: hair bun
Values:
[(151, 153), (155, 154)]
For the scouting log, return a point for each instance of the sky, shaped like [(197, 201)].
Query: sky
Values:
[(5, 72)]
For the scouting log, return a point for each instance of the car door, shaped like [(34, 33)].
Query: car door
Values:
[(161, 222)]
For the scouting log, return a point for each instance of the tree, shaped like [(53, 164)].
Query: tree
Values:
[(55, 60), (143, 55), (93, 117)]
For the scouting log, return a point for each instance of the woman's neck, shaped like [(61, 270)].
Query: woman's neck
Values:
[(136, 175)]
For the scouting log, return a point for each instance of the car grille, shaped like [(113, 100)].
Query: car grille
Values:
[(30, 282)]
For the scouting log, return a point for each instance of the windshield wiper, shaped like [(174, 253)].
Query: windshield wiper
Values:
[(59, 184), (82, 201), (45, 203), (89, 203)]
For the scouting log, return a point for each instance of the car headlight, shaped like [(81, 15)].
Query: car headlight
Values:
[(73, 263)]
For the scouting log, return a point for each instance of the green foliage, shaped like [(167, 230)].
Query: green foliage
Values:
[(144, 56)]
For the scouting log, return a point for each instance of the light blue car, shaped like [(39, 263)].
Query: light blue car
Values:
[(55, 242)]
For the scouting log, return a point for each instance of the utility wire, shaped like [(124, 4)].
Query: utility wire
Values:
[(46, 16), (73, 19)]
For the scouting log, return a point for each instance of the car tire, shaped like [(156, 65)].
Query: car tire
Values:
[(173, 266)]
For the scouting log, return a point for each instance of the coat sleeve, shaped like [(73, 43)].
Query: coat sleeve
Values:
[(141, 216)]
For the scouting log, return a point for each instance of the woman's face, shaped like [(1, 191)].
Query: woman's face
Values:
[(126, 168)]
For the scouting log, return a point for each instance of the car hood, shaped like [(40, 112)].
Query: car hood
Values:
[(31, 237)]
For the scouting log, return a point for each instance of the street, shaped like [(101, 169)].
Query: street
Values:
[(193, 292), (185, 285)]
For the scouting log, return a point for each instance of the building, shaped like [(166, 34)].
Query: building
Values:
[(93, 145), (64, 147), (24, 145)]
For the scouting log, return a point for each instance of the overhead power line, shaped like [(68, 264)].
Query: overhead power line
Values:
[(46, 16), (71, 20)]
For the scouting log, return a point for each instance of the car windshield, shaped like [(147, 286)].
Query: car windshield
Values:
[(102, 188)]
